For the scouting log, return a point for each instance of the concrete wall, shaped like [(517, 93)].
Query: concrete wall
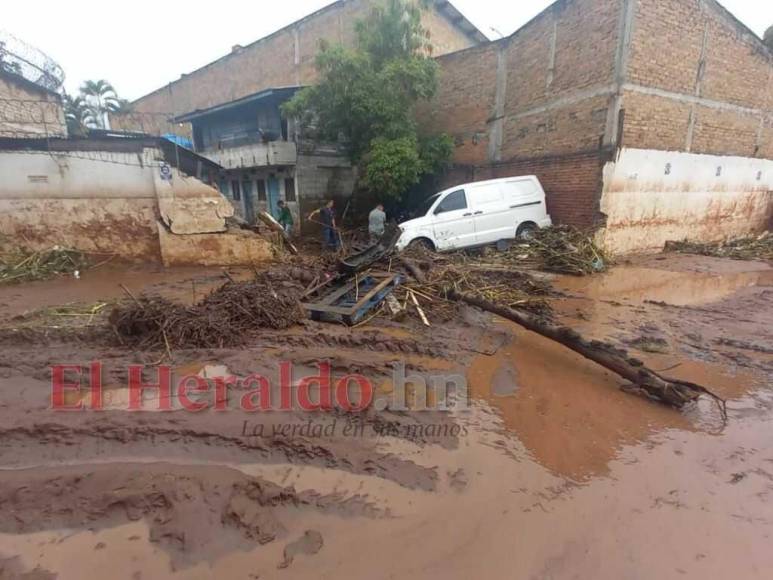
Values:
[(652, 196), (99, 201), (283, 59), (322, 176), (28, 111)]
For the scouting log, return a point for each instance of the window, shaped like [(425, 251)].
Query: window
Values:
[(290, 189), (453, 201), (426, 206), (261, 189), (236, 191)]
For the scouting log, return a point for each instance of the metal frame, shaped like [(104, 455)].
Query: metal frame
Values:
[(337, 303)]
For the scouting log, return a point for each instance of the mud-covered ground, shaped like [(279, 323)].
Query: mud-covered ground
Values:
[(552, 472)]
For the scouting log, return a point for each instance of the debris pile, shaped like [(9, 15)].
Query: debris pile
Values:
[(223, 318), (24, 266), (560, 249), (490, 280), (752, 248)]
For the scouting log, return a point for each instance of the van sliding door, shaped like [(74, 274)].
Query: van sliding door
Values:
[(493, 221)]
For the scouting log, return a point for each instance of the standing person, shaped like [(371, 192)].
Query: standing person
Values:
[(285, 218), (328, 218), (376, 223)]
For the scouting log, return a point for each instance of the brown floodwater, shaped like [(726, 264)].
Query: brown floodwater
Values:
[(559, 474)]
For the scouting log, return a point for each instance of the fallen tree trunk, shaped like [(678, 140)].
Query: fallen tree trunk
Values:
[(670, 391), (414, 269)]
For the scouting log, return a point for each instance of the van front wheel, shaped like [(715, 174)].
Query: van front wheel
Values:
[(421, 244), (526, 231)]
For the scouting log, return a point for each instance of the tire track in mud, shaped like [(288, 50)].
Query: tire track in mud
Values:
[(195, 513), (63, 441), (371, 342)]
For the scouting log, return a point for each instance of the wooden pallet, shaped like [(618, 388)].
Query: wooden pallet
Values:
[(349, 302)]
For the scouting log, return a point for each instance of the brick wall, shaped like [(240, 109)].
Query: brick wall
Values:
[(572, 182), (711, 92), (467, 85), (536, 102), (285, 58), (590, 75)]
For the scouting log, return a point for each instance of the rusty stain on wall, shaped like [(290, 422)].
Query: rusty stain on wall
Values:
[(650, 197), (115, 206), (231, 248)]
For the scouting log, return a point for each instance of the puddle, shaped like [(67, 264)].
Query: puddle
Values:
[(570, 412), (185, 285), (152, 400), (634, 284)]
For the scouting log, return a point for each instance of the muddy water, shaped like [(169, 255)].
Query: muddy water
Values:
[(186, 285), (559, 474), (685, 504), (638, 284)]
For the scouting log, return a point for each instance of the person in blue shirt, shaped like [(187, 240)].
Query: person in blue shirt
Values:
[(327, 217)]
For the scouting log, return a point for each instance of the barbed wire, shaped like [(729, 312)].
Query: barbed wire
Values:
[(144, 159), (18, 57), (42, 127), (47, 117), (23, 117)]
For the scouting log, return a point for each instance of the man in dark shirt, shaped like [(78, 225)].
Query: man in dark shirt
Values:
[(328, 218)]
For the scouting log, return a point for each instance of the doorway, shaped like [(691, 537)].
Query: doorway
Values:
[(273, 195)]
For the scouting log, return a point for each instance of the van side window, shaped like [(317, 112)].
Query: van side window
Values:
[(454, 201)]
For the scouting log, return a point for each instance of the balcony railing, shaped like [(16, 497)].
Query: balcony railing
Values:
[(258, 154)]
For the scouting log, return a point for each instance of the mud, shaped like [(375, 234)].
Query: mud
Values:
[(553, 471)]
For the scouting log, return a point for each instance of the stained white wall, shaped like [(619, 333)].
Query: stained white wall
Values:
[(650, 197), (101, 201)]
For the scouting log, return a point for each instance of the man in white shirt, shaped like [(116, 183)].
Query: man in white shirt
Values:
[(376, 223)]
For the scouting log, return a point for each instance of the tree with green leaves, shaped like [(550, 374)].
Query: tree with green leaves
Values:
[(366, 99), (79, 116)]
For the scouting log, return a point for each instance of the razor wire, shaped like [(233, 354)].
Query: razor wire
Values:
[(18, 57)]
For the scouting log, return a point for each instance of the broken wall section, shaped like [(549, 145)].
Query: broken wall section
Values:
[(114, 199), (92, 201)]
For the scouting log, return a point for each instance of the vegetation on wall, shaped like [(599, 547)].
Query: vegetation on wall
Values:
[(366, 99)]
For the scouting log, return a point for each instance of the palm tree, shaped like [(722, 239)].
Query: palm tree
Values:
[(79, 115), (101, 96), (119, 106)]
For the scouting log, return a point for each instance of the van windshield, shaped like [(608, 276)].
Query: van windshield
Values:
[(426, 206)]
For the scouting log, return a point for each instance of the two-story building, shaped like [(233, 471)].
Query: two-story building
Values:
[(263, 159), (230, 108)]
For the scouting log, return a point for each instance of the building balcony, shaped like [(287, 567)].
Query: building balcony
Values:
[(271, 153)]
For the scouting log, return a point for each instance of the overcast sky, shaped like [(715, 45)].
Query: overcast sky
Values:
[(142, 45)]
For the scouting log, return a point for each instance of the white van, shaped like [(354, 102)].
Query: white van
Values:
[(478, 213)]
